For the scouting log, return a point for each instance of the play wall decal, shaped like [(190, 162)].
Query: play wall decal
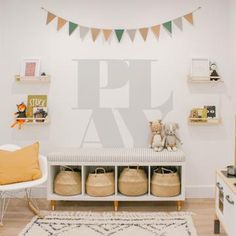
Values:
[(119, 107), (119, 32)]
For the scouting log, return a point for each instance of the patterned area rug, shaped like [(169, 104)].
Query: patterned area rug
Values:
[(111, 224)]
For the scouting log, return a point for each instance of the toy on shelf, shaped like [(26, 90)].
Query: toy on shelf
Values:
[(158, 137), (171, 136), (20, 115), (214, 76)]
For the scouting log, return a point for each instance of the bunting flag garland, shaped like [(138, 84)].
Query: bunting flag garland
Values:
[(72, 27), (107, 33), (168, 26), (131, 33), (189, 18), (60, 23), (156, 30), (119, 33), (179, 23), (144, 33), (83, 31), (95, 33), (50, 17)]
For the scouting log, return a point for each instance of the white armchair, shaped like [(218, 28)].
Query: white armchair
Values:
[(6, 191)]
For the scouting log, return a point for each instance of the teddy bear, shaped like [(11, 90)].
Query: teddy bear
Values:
[(171, 137), (157, 141)]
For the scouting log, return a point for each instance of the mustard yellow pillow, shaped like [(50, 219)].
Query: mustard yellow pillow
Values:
[(19, 166)]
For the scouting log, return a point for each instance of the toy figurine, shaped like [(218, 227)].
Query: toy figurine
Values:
[(20, 115), (213, 73)]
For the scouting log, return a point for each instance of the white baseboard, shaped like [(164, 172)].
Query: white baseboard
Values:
[(192, 191), (200, 191)]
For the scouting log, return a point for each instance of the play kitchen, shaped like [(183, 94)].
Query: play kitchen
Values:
[(226, 200)]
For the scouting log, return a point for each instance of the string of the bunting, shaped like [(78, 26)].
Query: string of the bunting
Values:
[(119, 33)]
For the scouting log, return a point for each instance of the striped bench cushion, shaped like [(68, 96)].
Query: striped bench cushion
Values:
[(115, 155)]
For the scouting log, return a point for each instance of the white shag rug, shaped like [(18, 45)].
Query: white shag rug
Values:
[(111, 224)]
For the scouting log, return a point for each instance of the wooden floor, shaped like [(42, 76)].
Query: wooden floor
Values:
[(18, 214)]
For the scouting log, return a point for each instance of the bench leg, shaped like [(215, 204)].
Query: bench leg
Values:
[(53, 205), (216, 225), (180, 205), (116, 205)]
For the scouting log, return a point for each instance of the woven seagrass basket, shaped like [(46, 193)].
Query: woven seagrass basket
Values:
[(133, 182), (100, 183), (67, 182), (166, 183)]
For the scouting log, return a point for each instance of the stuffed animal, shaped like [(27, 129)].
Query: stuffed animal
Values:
[(171, 137), (21, 113), (157, 141)]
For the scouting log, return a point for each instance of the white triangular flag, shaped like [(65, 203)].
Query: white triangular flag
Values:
[(131, 33), (83, 31), (179, 23)]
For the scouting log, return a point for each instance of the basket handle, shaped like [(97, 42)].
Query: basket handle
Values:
[(134, 165), (99, 168), (167, 170), (62, 168)]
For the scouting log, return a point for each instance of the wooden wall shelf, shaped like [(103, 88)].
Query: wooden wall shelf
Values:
[(197, 121), (203, 80), (33, 79), (35, 121)]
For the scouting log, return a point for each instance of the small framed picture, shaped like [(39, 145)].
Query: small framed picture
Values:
[(211, 111), (200, 68), (30, 67)]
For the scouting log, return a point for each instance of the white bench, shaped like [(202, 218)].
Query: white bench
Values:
[(116, 159)]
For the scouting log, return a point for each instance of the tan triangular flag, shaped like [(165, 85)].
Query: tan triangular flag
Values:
[(95, 32), (144, 33), (60, 23), (189, 18), (131, 33), (50, 17), (156, 30), (107, 33)]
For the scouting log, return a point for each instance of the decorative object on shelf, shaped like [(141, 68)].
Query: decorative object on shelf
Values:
[(171, 137), (206, 115), (199, 114), (165, 182), (40, 114), (20, 115), (43, 74), (35, 101), (200, 69), (157, 135), (211, 111), (30, 67), (119, 32), (133, 182), (214, 76), (67, 182), (100, 183)]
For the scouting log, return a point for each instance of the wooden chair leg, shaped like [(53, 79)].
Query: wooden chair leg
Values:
[(116, 205), (53, 205), (180, 205)]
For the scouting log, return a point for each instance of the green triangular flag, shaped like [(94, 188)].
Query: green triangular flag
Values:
[(72, 27), (168, 26), (119, 34)]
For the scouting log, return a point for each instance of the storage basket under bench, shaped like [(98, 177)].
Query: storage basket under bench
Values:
[(114, 159)]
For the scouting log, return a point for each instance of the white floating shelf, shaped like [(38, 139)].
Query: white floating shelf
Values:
[(35, 121), (33, 79), (198, 121), (203, 80)]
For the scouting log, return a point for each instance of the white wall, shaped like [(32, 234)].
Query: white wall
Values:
[(25, 35)]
